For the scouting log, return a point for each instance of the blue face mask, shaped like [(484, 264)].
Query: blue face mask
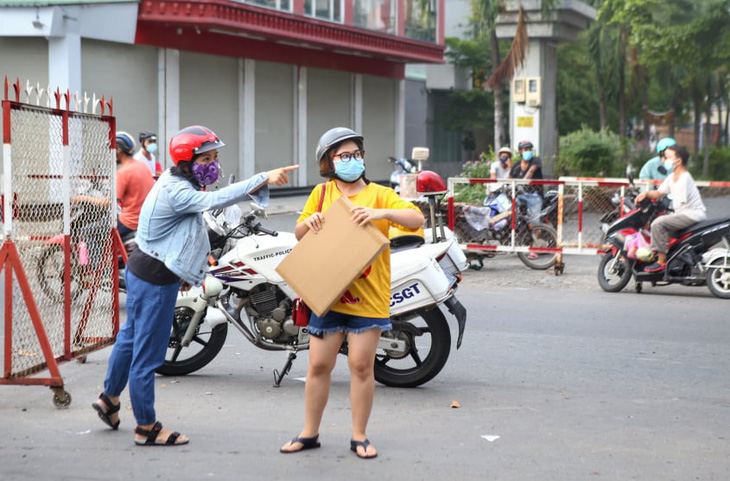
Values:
[(527, 156), (349, 171), (504, 159), (668, 164), (152, 148)]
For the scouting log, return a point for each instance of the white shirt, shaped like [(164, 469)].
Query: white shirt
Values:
[(685, 196), (501, 171), (151, 163), (498, 168)]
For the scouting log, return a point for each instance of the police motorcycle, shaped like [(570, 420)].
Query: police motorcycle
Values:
[(698, 255), (244, 290)]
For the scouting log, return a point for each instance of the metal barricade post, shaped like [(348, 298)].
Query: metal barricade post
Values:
[(62, 250)]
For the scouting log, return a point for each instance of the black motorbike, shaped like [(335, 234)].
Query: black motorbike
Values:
[(698, 255), (621, 204)]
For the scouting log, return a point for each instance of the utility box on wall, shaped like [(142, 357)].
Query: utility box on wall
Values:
[(533, 95), (518, 90), (527, 90)]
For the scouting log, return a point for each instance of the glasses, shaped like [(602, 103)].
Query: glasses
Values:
[(345, 156)]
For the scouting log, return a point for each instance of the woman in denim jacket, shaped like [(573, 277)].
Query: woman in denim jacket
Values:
[(172, 246)]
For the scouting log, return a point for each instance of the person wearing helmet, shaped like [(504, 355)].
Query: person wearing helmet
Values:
[(364, 310), (501, 167), (133, 184), (146, 153), (172, 245), (688, 206), (529, 167), (658, 168)]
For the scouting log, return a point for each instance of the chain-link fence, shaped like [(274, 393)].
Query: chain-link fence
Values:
[(59, 213)]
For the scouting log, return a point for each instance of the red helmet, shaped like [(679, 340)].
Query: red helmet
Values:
[(191, 141), (429, 182)]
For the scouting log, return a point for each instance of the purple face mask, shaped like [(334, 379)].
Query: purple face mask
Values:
[(206, 174)]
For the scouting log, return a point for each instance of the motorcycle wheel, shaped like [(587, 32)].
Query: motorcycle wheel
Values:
[(541, 235), (614, 272), (718, 278), (428, 342), (50, 270), (204, 347)]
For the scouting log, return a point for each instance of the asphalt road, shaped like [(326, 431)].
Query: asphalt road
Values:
[(556, 380)]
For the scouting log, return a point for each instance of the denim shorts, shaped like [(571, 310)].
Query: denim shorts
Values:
[(337, 322)]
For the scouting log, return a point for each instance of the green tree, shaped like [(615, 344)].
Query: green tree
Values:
[(691, 39)]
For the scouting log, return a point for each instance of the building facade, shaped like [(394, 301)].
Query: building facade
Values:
[(268, 76)]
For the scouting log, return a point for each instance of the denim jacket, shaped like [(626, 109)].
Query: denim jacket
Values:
[(171, 226)]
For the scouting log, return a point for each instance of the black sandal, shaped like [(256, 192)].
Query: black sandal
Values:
[(106, 410), (364, 444), (307, 443), (152, 437)]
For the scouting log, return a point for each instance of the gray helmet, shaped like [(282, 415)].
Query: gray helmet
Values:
[(125, 142), (333, 137)]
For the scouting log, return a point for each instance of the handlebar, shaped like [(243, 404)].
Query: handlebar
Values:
[(259, 228)]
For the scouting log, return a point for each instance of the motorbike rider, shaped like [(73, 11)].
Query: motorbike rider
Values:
[(364, 310), (172, 245), (688, 206), (501, 167), (133, 184), (658, 167), (146, 153), (529, 167)]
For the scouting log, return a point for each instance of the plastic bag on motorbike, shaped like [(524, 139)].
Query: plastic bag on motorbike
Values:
[(633, 243), (477, 217), (498, 204), (300, 313)]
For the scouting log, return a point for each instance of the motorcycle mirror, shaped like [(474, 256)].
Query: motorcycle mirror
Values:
[(631, 178), (662, 170), (258, 211)]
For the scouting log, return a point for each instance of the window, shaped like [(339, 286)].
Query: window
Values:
[(324, 9), (376, 15), (420, 20), (275, 4)]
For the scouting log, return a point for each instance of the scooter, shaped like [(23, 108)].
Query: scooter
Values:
[(401, 167), (698, 255), (621, 205), (244, 290)]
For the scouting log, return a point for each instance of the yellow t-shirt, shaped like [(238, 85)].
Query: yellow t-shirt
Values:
[(369, 295)]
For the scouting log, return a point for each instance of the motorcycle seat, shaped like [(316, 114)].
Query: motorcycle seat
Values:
[(700, 226), (404, 242)]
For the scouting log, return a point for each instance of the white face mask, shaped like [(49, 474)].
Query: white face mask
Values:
[(669, 165)]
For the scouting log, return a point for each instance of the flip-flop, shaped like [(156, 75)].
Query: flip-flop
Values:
[(307, 443), (152, 437), (364, 444), (105, 411)]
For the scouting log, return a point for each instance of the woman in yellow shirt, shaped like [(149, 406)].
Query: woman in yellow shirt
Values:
[(363, 312)]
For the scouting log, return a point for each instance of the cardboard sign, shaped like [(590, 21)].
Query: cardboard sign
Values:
[(322, 266)]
